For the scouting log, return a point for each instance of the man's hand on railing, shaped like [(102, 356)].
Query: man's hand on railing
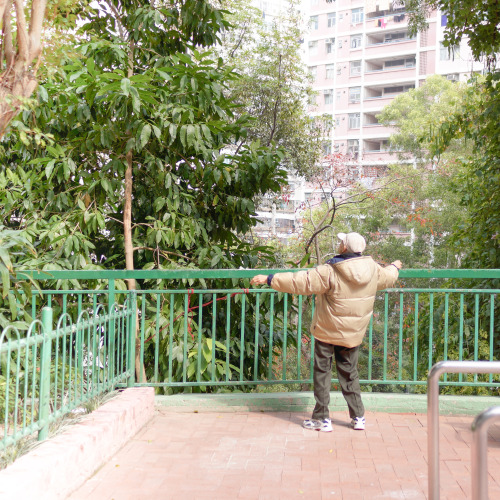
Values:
[(260, 279)]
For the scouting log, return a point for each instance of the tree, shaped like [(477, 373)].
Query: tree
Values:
[(475, 122), (274, 86), (417, 195), (425, 200), (137, 165), (347, 200), (20, 49)]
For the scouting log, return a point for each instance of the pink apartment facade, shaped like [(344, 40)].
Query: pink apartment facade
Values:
[(361, 56)]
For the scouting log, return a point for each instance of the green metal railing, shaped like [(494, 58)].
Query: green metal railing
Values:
[(47, 372), (219, 333)]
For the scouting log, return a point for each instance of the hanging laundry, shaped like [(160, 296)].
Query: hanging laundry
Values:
[(444, 19)]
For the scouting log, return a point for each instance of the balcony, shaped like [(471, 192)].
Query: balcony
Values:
[(382, 44), (397, 67), (377, 96), (379, 39), (386, 19)]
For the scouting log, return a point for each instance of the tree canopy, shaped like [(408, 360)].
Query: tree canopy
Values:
[(141, 95), (274, 86), (476, 121)]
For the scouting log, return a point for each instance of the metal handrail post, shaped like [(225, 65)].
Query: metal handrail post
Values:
[(433, 410), (479, 457), (45, 357)]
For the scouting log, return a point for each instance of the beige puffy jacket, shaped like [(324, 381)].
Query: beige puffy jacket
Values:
[(345, 294)]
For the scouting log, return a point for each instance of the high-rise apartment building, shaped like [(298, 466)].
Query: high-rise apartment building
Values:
[(361, 56)]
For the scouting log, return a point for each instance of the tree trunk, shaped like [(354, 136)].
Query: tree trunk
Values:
[(18, 74), (129, 259), (128, 244)]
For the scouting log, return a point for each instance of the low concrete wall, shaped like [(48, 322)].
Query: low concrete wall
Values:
[(61, 464), (304, 402)]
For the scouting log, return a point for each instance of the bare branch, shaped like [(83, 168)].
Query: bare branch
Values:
[(22, 37), (8, 45), (163, 252), (276, 106), (351, 200), (239, 42), (35, 30), (3, 5)]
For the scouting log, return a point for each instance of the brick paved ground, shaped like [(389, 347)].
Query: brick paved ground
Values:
[(255, 455)]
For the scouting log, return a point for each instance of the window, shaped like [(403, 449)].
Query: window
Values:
[(352, 147), (331, 19), (397, 89), (313, 48), (354, 94), (357, 16), (454, 77), (395, 63), (340, 44), (354, 120), (355, 68), (330, 71), (448, 53), (327, 148), (313, 22), (337, 123), (355, 41), (313, 71), (339, 70), (328, 95), (330, 45)]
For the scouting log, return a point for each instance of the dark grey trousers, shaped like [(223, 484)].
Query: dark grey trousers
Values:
[(346, 359)]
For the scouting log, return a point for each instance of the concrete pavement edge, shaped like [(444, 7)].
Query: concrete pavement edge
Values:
[(58, 466)]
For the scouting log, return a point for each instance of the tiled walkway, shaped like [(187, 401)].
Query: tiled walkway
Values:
[(257, 455)]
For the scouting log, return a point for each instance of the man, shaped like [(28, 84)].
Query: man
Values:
[(345, 289)]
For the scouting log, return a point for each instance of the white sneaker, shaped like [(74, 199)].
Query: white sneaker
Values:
[(323, 425), (358, 423)]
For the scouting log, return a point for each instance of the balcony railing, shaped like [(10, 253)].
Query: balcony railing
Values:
[(205, 329)]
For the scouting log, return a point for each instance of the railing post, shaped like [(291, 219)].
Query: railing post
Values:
[(132, 323), (433, 428), (111, 327), (479, 456), (433, 410), (45, 356)]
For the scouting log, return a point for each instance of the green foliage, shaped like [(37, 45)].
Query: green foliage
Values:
[(193, 190), (274, 85), (205, 345), (453, 327), (477, 121), (477, 21)]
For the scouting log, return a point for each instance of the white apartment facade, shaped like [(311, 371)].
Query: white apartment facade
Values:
[(361, 56)]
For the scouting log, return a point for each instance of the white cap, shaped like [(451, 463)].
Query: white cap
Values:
[(354, 242)]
